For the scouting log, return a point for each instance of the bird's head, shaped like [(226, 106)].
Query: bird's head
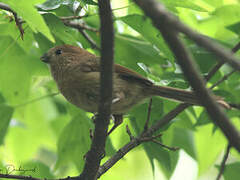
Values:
[(64, 55)]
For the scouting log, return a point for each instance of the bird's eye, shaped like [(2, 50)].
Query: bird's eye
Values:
[(58, 52)]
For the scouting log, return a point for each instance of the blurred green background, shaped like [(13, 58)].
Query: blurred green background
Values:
[(41, 130)]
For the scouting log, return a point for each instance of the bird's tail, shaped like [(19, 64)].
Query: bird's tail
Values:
[(183, 95)]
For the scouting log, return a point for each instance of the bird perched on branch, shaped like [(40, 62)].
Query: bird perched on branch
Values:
[(77, 74)]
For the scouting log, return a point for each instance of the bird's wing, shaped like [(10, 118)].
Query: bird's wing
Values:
[(93, 65), (129, 74)]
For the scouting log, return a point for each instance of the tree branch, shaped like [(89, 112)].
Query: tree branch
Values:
[(223, 163), (225, 77), (10, 176), (81, 28), (138, 140), (89, 39), (220, 64), (148, 115), (172, 22), (17, 20), (79, 25), (94, 156), (163, 21)]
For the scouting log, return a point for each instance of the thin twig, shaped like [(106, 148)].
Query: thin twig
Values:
[(78, 25), (11, 176), (94, 155), (236, 106), (89, 39), (219, 65), (148, 115), (149, 138), (17, 20), (35, 100), (223, 163), (136, 141), (64, 18), (225, 77), (81, 28), (165, 146), (129, 133)]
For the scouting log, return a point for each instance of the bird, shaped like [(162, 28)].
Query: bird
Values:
[(77, 75)]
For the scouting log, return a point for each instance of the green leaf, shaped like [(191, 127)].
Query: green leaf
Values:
[(215, 3), (203, 119), (234, 28), (139, 113), (6, 113), (203, 58), (15, 72), (184, 139), (231, 171), (208, 146), (54, 4), (9, 29), (167, 160), (31, 128), (110, 150), (74, 141), (43, 42), (184, 120), (228, 14), (2, 99), (184, 4), (131, 51), (90, 2), (143, 25), (59, 29), (29, 13)]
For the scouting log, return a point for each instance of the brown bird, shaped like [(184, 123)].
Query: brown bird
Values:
[(77, 74)]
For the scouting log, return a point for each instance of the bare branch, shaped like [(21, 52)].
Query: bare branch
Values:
[(81, 28), (17, 20), (167, 118), (89, 39), (94, 155), (219, 65), (236, 106), (129, 133), (148, 115), (68, 18), (161, 19), (10, 176), (147, 138), (223, 163), (77, 25), (225, 77), (136, 141), (165, 146)]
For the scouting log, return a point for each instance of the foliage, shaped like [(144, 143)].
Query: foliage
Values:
[(53, 135)]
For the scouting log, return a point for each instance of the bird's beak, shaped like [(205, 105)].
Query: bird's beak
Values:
[(45, 58)]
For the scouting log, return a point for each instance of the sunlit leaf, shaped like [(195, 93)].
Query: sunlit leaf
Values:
[(208, 146), (29, 13), (144, 26), (231, 171), (74, 141)]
